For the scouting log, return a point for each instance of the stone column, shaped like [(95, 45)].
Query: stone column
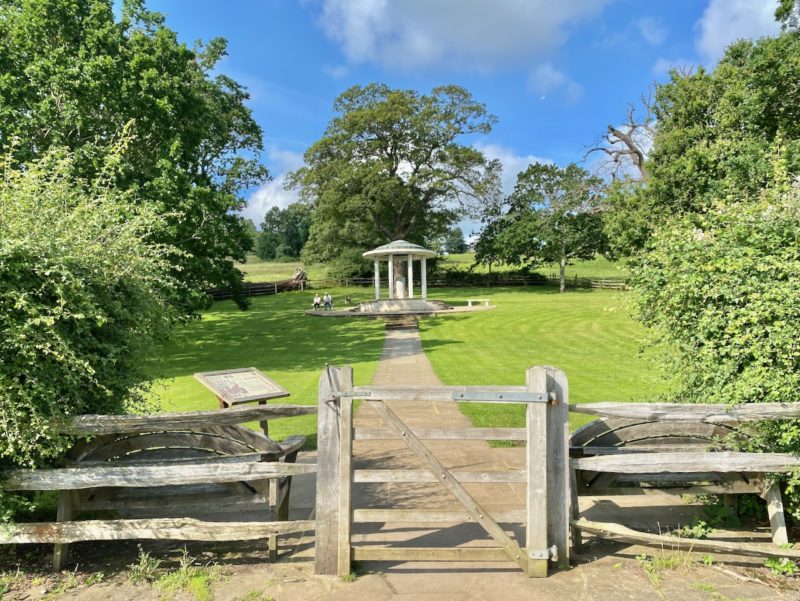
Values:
[(377, 279), (391, 277), (424, 279), (410, 276)]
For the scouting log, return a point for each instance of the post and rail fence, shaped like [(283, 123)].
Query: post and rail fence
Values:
[(667, 441), (434, 281)]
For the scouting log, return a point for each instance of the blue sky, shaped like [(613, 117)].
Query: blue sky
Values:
[(554, 72)]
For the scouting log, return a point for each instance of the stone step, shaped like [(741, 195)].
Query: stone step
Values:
[(401, 322)]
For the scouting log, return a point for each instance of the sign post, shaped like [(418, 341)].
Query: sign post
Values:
[(244, 385)]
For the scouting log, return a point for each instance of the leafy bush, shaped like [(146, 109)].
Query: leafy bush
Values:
[(721, 293), (83, 300), (350, 263), (721, 290), (460, 277)]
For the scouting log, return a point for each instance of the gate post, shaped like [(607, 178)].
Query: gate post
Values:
[(345, 471), (536, 463), (329, 485), (558, 472)]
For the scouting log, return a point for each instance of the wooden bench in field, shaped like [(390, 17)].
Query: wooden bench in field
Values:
[(170, 476), (477, 301), (672, 449)]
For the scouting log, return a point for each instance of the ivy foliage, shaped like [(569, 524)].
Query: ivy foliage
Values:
[(84, 299)]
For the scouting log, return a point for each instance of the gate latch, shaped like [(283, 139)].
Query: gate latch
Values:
[(489, 396)]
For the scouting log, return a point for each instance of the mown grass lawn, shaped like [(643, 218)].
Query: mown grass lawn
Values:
[(588, 334), (275, 336)]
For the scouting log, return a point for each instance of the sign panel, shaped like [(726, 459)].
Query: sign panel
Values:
[(235, 386)]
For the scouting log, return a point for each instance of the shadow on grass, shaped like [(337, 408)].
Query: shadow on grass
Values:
[(274, 332)]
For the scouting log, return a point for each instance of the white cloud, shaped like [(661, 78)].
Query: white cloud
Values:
[(546, 79), (272, 194), (725, 21), (512, 163), (652, 30), (463, 33)]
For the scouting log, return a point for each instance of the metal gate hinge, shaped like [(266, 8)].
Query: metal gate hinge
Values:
[(549, 553)]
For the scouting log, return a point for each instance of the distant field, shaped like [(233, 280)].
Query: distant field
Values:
[(596, 268), (257, 270)]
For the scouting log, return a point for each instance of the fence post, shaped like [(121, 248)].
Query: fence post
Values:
[(536, 462), (558, 472), (345, 470), (328, 493)]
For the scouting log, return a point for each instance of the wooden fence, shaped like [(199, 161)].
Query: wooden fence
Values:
[(546, 476), (166, 453), (442, 281), (550, 477), (669, 444), (259, 289)]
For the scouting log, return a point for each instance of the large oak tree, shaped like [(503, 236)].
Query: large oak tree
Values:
[(393, 165), (72, 75)]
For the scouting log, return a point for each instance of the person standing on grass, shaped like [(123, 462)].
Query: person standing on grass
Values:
[(317, 301)]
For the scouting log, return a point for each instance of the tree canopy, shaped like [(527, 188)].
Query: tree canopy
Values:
[(788, 13), (454, 242), (551, 217), (392, 165), (73, 76), (284, 232), (717, 131)]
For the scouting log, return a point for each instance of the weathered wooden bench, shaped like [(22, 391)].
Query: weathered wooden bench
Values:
[(682, 457), (154, 470), (483, 301)]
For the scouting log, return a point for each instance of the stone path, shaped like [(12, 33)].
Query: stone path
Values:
[(403, 362)]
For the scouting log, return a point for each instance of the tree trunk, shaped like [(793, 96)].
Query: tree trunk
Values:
[(563, 266)]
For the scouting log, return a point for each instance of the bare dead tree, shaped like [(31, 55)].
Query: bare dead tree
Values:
[(626, 146)]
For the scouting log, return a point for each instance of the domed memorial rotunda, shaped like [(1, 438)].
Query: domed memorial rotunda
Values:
[(400, 295)]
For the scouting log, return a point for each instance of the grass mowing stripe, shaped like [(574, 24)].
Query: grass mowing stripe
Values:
[(588, 334)]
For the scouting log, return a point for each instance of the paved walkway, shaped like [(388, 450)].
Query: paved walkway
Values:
[(403, 362)]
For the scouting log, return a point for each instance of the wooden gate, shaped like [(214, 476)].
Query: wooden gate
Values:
[(546, 436)]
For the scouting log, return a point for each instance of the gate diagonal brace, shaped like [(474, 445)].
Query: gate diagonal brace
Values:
[(446, 479)]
